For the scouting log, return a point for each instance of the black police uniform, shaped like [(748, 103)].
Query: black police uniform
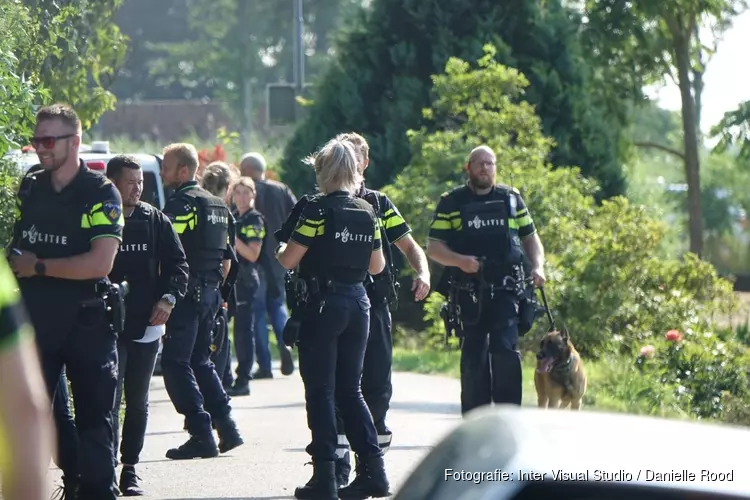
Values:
[(221, 348), (69, 316), (377, 389), (151, 259), (251, 228), (202, 221), (490, 227), (341, 232)]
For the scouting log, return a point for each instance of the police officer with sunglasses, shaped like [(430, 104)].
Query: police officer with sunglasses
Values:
[(68, 228)]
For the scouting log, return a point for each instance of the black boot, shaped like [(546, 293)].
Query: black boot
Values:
[(195, 447), (229, 435), (370, 480), (241, 387), (343, 469), (322, 484), (129, 486), (262, 374)]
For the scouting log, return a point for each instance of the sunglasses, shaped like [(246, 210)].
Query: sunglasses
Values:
[(49, 141)]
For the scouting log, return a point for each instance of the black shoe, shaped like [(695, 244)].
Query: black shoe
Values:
[(240, 388), (229, 435), (203, 447), (322, 484), (129, 486), (287, 362), (68, 490), (343, 469), (370, 480), (261, 374)]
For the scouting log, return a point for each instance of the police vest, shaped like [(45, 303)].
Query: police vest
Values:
[(486, 228), (348, 239), (50, 225), (137, 263), (206, 245)]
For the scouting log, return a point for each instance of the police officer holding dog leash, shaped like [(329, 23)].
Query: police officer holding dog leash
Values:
[(66, 235), (479, 233), (335, 244)]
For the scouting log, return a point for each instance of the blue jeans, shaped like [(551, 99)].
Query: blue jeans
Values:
[(276, 310)]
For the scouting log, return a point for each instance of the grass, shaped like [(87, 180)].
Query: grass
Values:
[(611, 385)]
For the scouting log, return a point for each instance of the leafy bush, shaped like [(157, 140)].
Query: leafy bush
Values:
[(10, 176), (608, 280), (706, 374)]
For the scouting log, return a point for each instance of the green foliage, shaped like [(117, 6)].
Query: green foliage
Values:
[(380, 82), (233, 40), (733, 131), (703, 371), (608, 281), (10, 176), (76, 51), (19, 90)]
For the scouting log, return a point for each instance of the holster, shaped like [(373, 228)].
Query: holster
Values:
[(450, 311), (383, 289), (291, 331), (112, 296)]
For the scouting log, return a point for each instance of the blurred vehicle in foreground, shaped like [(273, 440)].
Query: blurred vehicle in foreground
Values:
[(506, 453)]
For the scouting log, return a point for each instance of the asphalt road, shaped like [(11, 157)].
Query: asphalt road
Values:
[(272, 420)]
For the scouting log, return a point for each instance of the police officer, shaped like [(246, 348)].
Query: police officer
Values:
[(478, 232), (381, 289), (336, 243), (25, 425), (152, 261), (202, 221), (251, 235), (67, 232), (217, 178)]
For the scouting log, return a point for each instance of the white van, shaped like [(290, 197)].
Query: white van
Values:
[(96, 157)]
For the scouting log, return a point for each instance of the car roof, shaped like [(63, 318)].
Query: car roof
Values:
[(512, 439), (148, 162)]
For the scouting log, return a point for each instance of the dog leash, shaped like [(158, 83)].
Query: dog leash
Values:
[(547, 310)]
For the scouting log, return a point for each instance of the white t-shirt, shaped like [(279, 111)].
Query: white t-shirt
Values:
[(152, 333)]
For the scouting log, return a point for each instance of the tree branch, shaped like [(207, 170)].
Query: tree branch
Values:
[(660, 147)]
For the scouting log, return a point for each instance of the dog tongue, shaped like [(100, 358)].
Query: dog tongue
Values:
[(546, 365)]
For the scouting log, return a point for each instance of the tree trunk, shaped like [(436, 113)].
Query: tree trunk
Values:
[(690, 138)]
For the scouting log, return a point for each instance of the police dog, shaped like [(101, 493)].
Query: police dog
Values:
[(559, 378)]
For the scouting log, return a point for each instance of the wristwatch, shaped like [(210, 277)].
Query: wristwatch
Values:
[(169, 299), (39, 268)]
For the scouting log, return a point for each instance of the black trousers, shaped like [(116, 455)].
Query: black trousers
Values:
[(189, 375), (332, 347), (490, 360), (137, 362), (377, 389), (84, 343), (244, 328)]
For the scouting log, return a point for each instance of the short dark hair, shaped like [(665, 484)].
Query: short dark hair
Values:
[(120, 162), (61, 112)]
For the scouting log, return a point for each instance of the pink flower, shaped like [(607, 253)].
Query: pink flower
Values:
[(647, 351), (673, 336)]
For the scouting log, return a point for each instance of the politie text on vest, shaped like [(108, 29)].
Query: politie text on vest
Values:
[(33, 236), (347, 237)]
